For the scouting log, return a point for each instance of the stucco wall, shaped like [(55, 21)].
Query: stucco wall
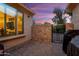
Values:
[(75, 17), (27, 25)]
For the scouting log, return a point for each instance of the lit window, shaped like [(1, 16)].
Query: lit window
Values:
[(20, 22), (2, 17), (11, 21)]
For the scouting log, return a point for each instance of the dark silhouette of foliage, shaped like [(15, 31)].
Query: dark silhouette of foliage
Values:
[(58, 17), (58, 20)]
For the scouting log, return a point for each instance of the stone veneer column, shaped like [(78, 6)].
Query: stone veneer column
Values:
[(69, 26), (42, 33)]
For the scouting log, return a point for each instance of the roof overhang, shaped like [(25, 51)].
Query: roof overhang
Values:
[(72, 6), (21, 7)]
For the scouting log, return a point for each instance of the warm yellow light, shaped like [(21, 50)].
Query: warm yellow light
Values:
[(1, 20), (19, 23)]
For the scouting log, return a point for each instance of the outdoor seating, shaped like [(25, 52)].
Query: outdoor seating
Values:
[(1, 50), (73, 47), (68, 36)]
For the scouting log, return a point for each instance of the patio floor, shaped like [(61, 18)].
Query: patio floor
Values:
[(34, 48)]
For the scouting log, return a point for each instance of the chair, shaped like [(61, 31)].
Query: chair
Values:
[(1, 50), (68, 35)]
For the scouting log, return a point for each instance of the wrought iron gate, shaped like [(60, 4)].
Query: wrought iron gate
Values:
[(57, 37), (58, 32)]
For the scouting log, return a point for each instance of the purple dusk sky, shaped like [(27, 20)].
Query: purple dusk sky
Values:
[(43, 11)]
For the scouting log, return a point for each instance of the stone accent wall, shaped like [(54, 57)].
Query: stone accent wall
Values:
[(42, 33), (69, 26)]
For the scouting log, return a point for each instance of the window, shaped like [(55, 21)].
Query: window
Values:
[(11, 21), (20, 22), (2, 12)]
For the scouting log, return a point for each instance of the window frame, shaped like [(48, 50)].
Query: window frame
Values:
[(16, 26)]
